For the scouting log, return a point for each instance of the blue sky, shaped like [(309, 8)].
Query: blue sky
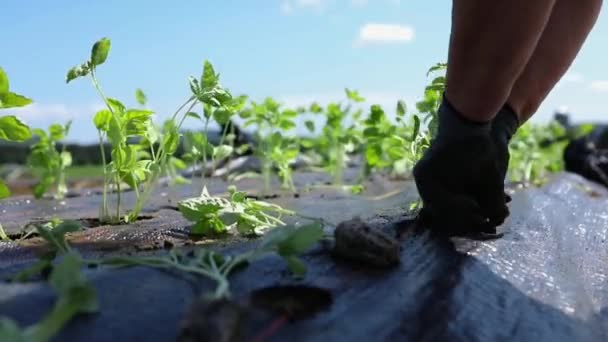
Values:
[(296, 51)]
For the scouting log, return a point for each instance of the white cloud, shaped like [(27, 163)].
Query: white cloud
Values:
[(570, 78), (286, 7), (38, 114), (40, 111), (384, 33), (573, 77), (599, 86)]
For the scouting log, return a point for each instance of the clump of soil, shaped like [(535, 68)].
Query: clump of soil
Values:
[(357, 241), (216, 320)]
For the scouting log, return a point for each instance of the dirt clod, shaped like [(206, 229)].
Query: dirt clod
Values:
[(355, 240)]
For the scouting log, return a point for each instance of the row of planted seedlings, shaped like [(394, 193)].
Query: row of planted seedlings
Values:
[(139, 167), (348, 131)]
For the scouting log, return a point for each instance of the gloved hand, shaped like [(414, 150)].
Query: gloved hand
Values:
[(504, 125), (458, 178)]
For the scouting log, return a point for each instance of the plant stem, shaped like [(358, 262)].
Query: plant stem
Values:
[(160, 162), (204, 153), (104, 205), (222, 138), (52, 322)]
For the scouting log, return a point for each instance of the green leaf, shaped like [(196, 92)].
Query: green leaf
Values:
[(178, 163), (115, 133), (100, 51), (436, 67), (140, 97), (371, 132), (72, 287), (13, 129), (401, 108), (116, 105), (315, 108), (66, 158), (4, 191), (301, 239), (222, 151), (353, 95), (56, 132), (209, 79), (77, 71), (287, 125), (102, 120), (194, 115), (416, 127), (171, 142), (4, 83), (222, 115), (310, 125), (12, 100), (297, 267)]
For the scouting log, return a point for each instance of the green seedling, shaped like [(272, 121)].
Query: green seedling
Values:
[(340, 136), (48, 163), (120, 125), (275, 148), (54, 234), (199, 148), (218, 215), (428, 107), (11, 128), (530, 162), (75, 295), (289, 243)]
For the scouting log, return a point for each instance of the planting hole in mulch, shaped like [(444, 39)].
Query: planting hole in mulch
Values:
[(294, 301)]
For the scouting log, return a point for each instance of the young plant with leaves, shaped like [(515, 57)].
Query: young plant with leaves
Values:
[(340, 135), (276, 149), (11, 128), (199, 148), (75, 295), (289, 243), (218, 215), (49, 163), (120, 125), (531, 162)]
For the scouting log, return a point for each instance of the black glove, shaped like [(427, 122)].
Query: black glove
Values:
[(458, 179), (504, 125)]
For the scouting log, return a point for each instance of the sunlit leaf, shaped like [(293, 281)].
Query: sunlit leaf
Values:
[(140, 97), (99, 52), (4, 190), (13, 129), (102, 119), (12, 100)]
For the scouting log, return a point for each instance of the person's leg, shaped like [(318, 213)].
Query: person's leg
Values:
[(490, 45), (568, 27)]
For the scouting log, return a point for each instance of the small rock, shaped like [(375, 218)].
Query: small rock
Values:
[(357, 241)]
